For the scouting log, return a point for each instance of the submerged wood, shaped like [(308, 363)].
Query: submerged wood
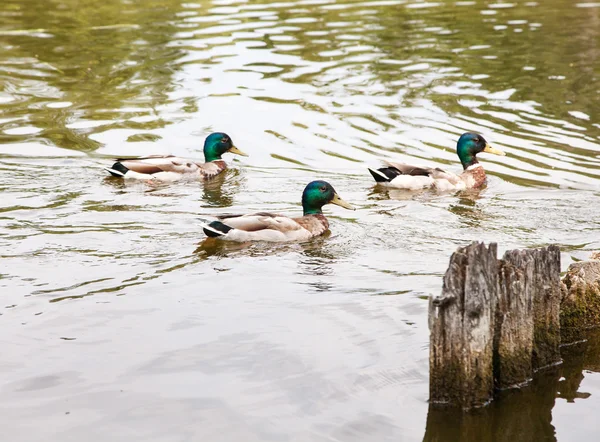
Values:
[(462, 328)]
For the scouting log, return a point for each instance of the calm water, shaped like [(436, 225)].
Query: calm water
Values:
[(117, 322)]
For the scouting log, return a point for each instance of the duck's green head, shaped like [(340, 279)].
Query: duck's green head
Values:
[(469, 145), (218, 143), (318, 193)]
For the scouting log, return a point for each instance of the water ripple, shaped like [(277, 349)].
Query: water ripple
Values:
[(126, 313)]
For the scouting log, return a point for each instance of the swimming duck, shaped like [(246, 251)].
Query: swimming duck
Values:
[(172, 168), (264, 226), (404, 176)]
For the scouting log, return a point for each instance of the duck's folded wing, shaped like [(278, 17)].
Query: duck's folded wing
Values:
[(439, 174), (150, 158), (260, 221), (408, 169), (155, 164), (435, 173)]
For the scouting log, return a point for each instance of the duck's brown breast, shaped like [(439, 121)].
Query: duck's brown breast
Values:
[(474, 177), (211, 169), (316, 224)]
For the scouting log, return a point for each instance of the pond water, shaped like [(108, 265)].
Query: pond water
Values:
[(119, 322)]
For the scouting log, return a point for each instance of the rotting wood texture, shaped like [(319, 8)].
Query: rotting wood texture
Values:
[(513, 341), (461, 324), (495, 323), (546, 307)]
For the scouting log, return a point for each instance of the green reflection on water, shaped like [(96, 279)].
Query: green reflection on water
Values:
[(85, 60), (112, 61)]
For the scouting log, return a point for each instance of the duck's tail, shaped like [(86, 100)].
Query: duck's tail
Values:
[(117, 169), (216, 229), (385, 174)]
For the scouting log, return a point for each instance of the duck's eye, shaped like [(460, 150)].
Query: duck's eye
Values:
[(224, 140), (323, 188), (476, 140)]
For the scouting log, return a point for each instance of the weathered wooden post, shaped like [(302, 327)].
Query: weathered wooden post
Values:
[(513, 343), (527, 317), (495, 323), (462, 329), (546, 307)]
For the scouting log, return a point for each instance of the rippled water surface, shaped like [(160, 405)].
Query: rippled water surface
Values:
[(119, 322)]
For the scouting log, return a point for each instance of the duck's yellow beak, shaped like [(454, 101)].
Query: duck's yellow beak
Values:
[(490, 149), (236, 151), (340, 202)]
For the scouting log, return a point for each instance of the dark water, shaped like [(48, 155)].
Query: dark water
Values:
[(118, 322)]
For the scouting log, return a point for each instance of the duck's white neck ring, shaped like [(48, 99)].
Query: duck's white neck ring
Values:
[(473, 166)]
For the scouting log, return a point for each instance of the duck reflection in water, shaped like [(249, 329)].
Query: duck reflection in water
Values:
[(315, 264), (379, 193), (145, 186), (213, 247), (468, 210), (221, 190), (465, 204)]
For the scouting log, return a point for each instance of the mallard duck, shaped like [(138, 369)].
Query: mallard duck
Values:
[(264, 226), (405, 176), (172, 168)]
